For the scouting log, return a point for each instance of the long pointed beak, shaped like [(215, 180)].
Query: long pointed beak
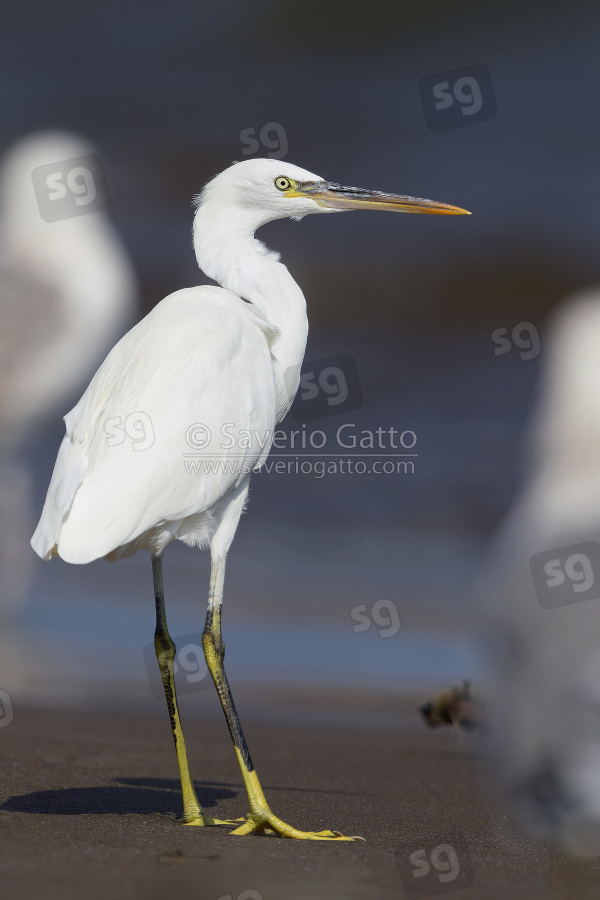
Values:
[(336, 196)]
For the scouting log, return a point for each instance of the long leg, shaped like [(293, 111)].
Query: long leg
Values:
[(259, 818), (165, 654)]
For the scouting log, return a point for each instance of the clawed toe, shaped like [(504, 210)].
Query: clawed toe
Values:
[(269, 824)]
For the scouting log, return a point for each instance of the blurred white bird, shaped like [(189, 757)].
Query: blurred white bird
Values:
[(203, 379), (67, 290), (543, 593)]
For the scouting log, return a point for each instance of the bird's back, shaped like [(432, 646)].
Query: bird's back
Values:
[(152, 444)]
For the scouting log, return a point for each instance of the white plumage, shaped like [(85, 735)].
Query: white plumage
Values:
[(112, 499), (202, 356)]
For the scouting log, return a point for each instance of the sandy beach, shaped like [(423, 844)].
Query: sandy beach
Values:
[(80, 793)]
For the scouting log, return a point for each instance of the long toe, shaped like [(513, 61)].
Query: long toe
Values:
[(270, 824)]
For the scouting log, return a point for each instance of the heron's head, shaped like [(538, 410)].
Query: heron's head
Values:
[(257, 191)]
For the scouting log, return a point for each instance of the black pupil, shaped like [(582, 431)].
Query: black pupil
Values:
[(282, 183)]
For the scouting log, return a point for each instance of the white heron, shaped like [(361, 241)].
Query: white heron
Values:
[(205, 369), (67, 290), (542, 588)]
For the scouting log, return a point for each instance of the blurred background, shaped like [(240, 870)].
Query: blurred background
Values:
[(491, 107)]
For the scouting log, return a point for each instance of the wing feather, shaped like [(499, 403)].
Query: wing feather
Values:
[(199, 363)]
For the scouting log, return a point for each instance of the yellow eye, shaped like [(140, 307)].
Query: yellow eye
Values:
[(282, 184)]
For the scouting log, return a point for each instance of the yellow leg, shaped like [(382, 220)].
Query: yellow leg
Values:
[(260, 819), (165, 654)]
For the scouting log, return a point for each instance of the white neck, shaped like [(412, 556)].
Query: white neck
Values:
[(229, 254)]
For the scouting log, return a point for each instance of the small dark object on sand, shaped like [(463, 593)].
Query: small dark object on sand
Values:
[(452, 707)]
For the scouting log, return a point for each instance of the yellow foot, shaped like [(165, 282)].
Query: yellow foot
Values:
[(267, 823)]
